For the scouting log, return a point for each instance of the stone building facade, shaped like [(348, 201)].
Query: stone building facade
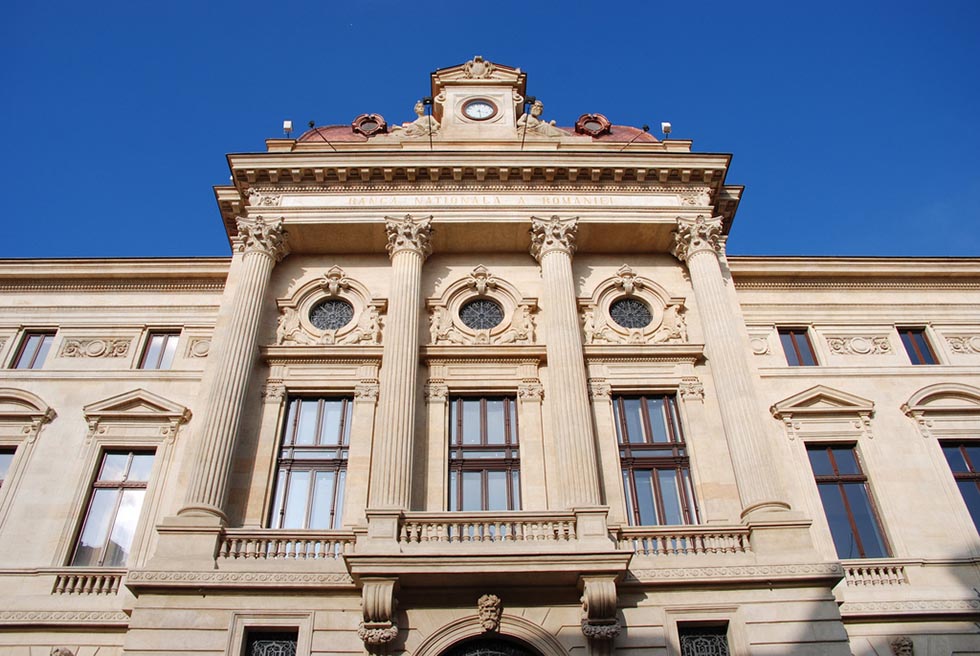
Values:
[(480, 384)]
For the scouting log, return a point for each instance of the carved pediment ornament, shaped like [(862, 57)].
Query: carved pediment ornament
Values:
[(478, 68), (816, 408), (696, 236), (260, 235), (409, 233), (945, 410), (659, 317), (257, 198), (553, 234), (335, 280), (512, 320)]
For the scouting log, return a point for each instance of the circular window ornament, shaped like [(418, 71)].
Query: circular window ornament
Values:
[(592, 125), (369, 124), (331, 314), (630, 313), (481, 314)]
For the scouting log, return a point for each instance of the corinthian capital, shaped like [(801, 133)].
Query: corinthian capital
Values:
[(695, 236), (262, 236), (554, 234), (409, 233)]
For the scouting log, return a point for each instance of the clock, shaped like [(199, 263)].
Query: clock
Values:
[(479, 110)]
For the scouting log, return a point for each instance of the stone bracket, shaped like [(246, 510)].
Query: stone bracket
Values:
[(599, 601), (378, 605)]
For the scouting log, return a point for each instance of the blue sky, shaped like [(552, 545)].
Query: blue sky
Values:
[(853, 125)]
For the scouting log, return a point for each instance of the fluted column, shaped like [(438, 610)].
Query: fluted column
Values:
[(259, 245), (698, 243), (553, 244), (391, 471)]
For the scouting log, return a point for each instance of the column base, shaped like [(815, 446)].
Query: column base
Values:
[(187, 543), (382, 532), (591, 527), (204, 511)]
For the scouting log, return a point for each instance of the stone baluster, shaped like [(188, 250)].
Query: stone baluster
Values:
[(552, 245), (698, 243), (258, 246), (391, 472)]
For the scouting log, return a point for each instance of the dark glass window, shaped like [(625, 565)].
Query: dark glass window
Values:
[(964, 461), (917, 346), (630, 313), (654, 460), (33, 350), (159, 351), (6, 457), (703, 640), (271, 643), (331, 314), (481, 314), (484, 459), (846, 502), (113, 509), (312, 468), (796, 345)]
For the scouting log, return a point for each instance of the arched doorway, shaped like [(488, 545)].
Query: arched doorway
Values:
[(490, 647)]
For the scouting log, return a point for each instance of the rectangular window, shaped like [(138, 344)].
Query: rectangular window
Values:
[(656, 468), (33, 350), (113, 509), (964, 461), (917, 346), (6, 457), (796, 345), (271, 643), (847, 502), (159, 351), (484, 460), (697, 639), (312, 469)]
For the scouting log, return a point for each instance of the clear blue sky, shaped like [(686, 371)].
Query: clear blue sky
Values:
[(853, 124)]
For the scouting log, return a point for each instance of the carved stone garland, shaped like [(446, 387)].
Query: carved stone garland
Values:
[(667, 322), (447, 326), (296, 325)]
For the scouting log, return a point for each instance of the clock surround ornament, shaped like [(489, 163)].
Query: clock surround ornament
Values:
[(479, 109)]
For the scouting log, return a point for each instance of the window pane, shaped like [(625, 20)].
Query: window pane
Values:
[(806, 353), (296, 500), (169, 348), (96, 527), (671, 496), (497, 490), (141, 467), (277, 502), (645, 496), (846, 462), (688, 488), (6, 457), (124, 528), (333, 415), (924, 350), (628, 489), (634, 420), (973, 454), (322, 500), (114, 466), (971, 495), (453, 491), (472, 491), (840, 526), (306, 430), (153, 349), (658, 420), (515, 479), (471, 421), (495, 421), (871, 540), (955, 458), (820, 461), (789, 348), (42, 352), (338, 511)]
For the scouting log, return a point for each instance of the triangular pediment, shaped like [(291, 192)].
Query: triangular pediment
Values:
[(822, 400), (479, 71), (137, 404)]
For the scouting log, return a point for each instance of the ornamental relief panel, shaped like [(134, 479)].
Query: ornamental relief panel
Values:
[(859, 344), (630, 309), (98, 347), (482, 309), (330, 310), (964, 344)]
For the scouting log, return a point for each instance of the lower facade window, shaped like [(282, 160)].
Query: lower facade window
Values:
[(655, 465), (703, 640), (847, 503), (6, 457), (312, 466), (484, 457), (113, 509), (270, 643), (964, 461)]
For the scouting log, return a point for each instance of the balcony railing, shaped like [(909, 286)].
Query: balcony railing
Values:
[(874, 573), (91, 582), (269, 544), (683, 540), (502, 528)]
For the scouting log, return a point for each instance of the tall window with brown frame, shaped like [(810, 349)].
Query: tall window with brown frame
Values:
[(484, 455)]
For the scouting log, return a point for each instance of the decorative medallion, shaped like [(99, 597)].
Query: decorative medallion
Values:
[(630, 313), (331, 314), (592, 125), (481, 314), (369, 124)]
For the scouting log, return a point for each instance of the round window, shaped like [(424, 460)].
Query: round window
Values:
[(481, 314), (331, 314), (630, 313)]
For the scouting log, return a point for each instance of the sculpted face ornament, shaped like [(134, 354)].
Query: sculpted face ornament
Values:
[(490, 609)]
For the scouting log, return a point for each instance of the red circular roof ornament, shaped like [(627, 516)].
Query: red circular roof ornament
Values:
[(369, 124), (592, 125)]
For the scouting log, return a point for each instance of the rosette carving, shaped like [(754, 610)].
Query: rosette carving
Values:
[(554, 234), (695, 236), (259, 235), (409, 233)]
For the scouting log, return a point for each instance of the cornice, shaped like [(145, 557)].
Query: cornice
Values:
[(157, 274), (762, 574), (873, 273), (115, 618), (150, 579), (294, 354)]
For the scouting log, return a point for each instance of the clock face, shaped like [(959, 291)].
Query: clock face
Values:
[(479, 110)]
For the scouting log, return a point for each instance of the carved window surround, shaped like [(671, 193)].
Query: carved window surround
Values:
[(22, 415), (133, 420), (294, 327), (823, 413), (668, 324), (518, 326), (302, 623), (945, 411)]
